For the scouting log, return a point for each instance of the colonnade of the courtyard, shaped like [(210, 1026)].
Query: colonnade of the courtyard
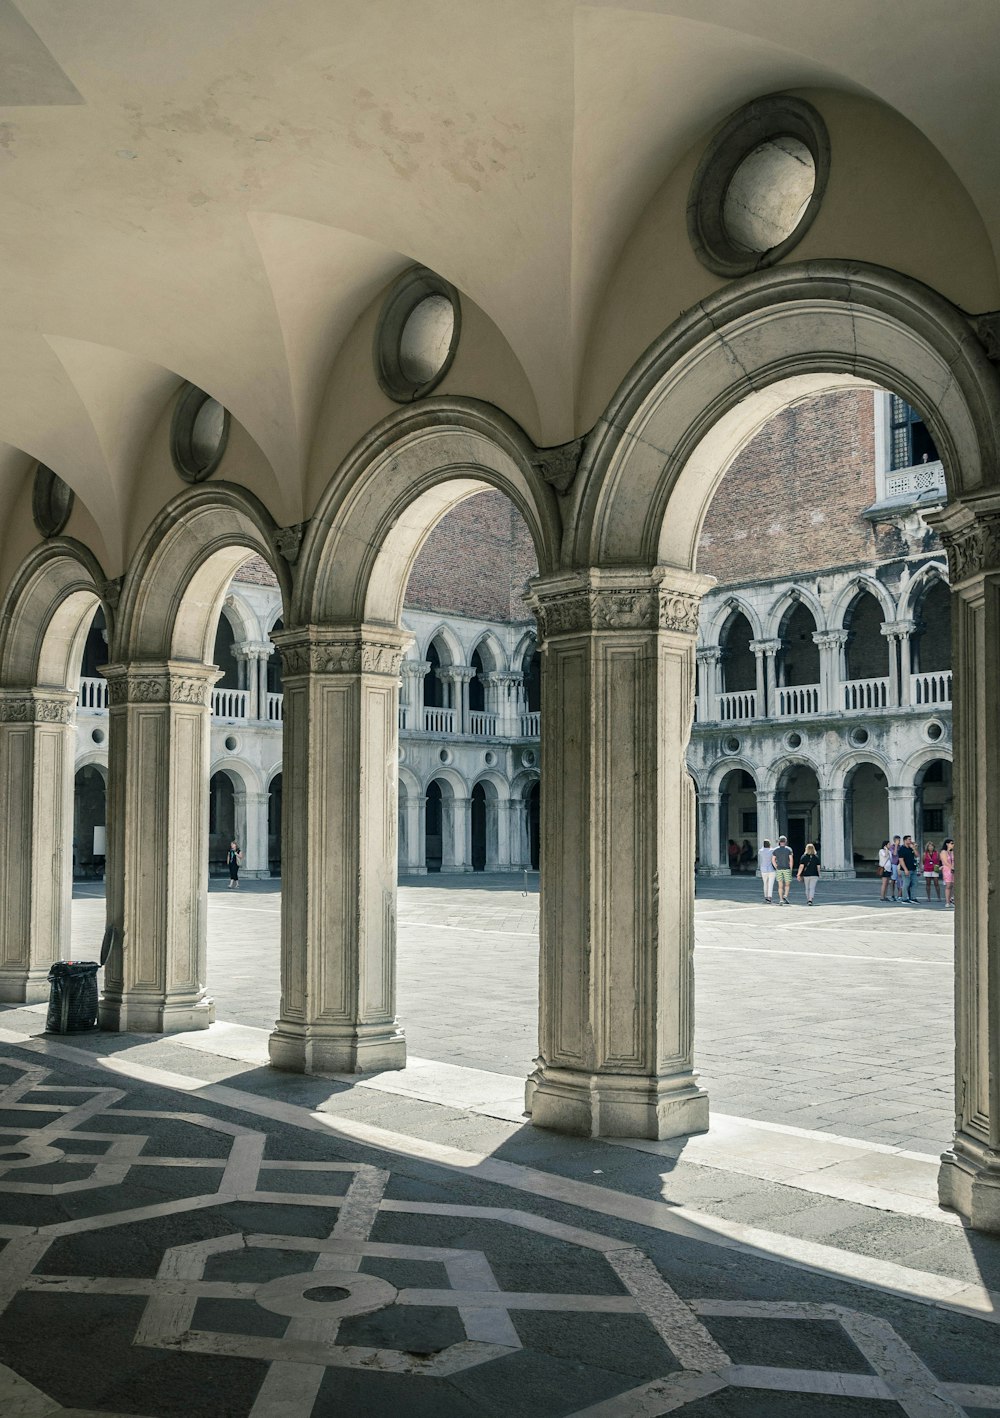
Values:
[(617, 604)]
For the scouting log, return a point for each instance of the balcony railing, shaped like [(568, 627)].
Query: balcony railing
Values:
[(93, 694), (933, 688), (482, 724), (439, 721), (737, 705), (866, 693), (229, 703), (531, 725), (274, 708), (795, 700)]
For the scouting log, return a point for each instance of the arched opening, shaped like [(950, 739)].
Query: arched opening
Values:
[(480, 828), (867, 649), (532, 671), (866, 817), (738, 821), (89, 823), (435, 691), (534, 826), (434, 828), (935, 803), (796, 807), (797, 667), (274, 826), (930, 648), (739, 670), (221, 822), (477, 688)]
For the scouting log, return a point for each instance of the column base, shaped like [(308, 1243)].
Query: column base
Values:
[(969, 1182), (332, 1048), (152, 1014), (714, 871), (616, 1105), (413, 871), (24, 986)]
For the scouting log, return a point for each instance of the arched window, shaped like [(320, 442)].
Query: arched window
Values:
[(477, 690), (224, 657), (798, 660), (739, 664), (932, 640), (532, 670), (274, 664), (867, 647), (434, 691)]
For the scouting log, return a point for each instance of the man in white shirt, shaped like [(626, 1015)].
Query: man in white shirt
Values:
[(766, 867)]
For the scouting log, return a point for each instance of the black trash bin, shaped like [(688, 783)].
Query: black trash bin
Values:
[(72, 997)]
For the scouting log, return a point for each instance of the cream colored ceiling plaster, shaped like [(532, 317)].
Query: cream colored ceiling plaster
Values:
[(241, 177)]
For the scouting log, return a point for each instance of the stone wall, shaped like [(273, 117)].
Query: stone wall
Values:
[(475, 562)]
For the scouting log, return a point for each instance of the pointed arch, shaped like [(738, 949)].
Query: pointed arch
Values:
[(858, 586), (784, 603)]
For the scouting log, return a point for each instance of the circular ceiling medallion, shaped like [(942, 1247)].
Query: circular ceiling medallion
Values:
[(51, 502), (759, 185), (198, 433), (417, 335)]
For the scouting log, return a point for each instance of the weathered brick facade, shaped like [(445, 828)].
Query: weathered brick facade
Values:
[(475, 562)]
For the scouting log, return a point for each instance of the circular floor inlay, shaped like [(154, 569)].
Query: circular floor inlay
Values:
[(305, 1295)]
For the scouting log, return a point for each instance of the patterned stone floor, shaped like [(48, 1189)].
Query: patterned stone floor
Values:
[(174, 1246)]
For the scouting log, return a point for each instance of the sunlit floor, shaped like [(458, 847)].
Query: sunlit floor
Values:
[(197, 1234), (836, 1018)]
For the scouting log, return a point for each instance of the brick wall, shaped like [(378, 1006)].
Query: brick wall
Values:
[(792, 501), (475, 562)]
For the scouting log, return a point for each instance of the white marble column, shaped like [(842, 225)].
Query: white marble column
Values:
[(833, 833), (157, 839), (338, 848), (520, 837), (502, 818), (904, 630), (456, 845), (616, 1002), (970, 1171), (892, 637), (413, 672), (37, 739), (710, 854), (710, 683), (416, 836), (254, 839), (831, 668), (902, 810), (767, 819)]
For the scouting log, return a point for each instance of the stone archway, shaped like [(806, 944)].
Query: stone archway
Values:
[(44, 623), (647, 475)]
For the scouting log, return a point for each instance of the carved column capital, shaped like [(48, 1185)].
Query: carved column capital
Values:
[(415, 669), (898, 629), (457, 674), (664, 598), (340, 650), (766, 647), (970, 532), (163, 682), (37, 706), (829, 639)]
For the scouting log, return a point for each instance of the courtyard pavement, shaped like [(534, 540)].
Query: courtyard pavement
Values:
[(188, 1232)]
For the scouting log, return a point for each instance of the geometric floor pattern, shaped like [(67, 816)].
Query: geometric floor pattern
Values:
[(160, 1261)]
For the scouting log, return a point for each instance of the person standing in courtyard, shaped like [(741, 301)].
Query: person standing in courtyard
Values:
[(932, 866), (908, 867), (783, 859), (948, 871), (808, 872), (766, 867), (885, 868), (897, 891), (233, 859)]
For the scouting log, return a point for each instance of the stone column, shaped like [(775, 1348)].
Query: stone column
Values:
[(458, 676), (520, 844), (262, 680), (970, 1171), (617, 924), (416, 836), (710, 854), (502, 816), (892, 636), (413, 672), (338, 847), (902, 815), (904, 629), (456, 845), (254, 839), (246, 654), (831, 668), (157, 837), (767, 820), (37, 739), (710, 683), (833, 834), (765, 651)]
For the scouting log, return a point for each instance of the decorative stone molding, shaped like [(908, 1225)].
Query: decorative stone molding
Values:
[(160, 684), (577, 605), (111, 592), (288, 540), (830, 639), (898, 629), (322, 650), (415, 669), (34, 707), (457, 674), (973, 548), (712, 654), (558, 466)]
